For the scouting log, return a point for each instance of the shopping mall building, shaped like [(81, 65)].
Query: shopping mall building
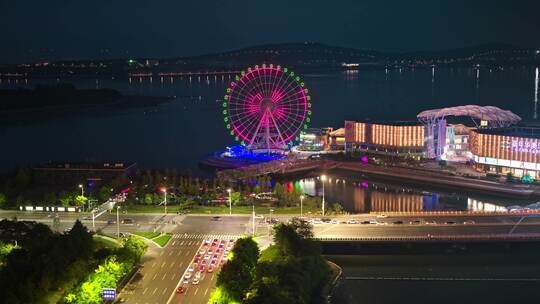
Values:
[(493, 144), (405, 139), (513, 150)]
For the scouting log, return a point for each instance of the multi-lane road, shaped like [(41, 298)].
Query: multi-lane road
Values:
[(162, 269)]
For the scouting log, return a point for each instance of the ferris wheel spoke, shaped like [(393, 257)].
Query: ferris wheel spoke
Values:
[(277, 128)]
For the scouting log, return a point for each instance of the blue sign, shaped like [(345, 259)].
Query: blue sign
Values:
[(108, 293)]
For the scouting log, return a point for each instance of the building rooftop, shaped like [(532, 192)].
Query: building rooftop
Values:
[(391, 122), (517, 131)]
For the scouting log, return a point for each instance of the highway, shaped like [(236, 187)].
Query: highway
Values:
[(163, 268)]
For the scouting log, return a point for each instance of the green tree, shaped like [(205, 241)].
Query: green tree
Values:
[(235, 198), (236, 276), (104, 193), (3, 200)]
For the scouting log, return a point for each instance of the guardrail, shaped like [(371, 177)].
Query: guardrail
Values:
[(431, 238), (457, 213)]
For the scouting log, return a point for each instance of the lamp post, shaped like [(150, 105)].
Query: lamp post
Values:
[(82, 194), (253, 221), (164, 190), (82, 189), (117, 223), (323, 179), (230, 201), (93, 220), (301, 205)]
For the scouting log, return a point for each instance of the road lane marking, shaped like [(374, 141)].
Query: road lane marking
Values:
[(196, 289), (154, 292), (205, 291), (145, 290), (182, 243), (170, 253), (163, 292), (153, 264), (154, 277), (164, 275), (173, 243), (173, 275), (161, 253), (172, 264), (181, 276), (187, 253), (179, 252)]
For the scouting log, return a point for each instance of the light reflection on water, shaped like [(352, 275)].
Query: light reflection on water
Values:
[(360, 196)]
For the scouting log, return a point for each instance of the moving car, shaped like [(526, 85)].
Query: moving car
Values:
[(180, 289), (258, 216), (216, 218), (468, 222), (382, 216), (398, 222), (195, 281), (351, 221), (127, 221)]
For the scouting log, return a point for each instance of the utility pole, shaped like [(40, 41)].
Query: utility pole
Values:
[(253, 221), (323, 179), (230, 201), (301, 205), (93, 220), (117, 223)]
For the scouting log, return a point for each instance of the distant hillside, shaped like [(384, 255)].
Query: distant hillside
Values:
[(301, 56)]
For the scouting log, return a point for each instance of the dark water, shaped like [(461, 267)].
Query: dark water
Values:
[(182, 132), (360, 195)]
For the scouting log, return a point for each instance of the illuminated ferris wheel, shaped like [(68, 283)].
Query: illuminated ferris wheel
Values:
[(266, 107)]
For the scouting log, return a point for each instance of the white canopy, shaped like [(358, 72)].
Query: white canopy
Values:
[(494, 115)]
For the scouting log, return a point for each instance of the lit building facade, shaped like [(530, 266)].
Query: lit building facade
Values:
[(513, 150), (395, 138)]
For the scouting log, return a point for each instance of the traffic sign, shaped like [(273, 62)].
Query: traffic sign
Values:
[(108, 293)]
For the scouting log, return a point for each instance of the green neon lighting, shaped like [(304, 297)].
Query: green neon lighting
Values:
[(228, 126)]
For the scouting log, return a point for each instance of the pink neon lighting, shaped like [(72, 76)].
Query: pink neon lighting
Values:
[(266, 101)]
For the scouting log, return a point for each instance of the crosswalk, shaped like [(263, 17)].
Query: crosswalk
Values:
[(207, 236)]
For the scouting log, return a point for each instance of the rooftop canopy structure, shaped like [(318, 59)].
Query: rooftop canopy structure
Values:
[(495, 117), (482, 116)]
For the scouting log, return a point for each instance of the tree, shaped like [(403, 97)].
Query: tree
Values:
[(65, 198), (104, 193), (3, 200), (235, 198), (236, 276)]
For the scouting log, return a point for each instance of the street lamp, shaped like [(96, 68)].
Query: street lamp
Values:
[(301, 205), (82, 194), (323, 179), (230, 201), (117, 223), (164, 190)]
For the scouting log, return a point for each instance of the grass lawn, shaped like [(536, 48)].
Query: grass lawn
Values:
[(147, 234), (218, 209), (106, 242), (163, 239)]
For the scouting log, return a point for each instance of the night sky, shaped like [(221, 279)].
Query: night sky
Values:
[(71, 29)]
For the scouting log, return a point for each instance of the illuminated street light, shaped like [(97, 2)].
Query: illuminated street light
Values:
[(164, 190), (323, 179)]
